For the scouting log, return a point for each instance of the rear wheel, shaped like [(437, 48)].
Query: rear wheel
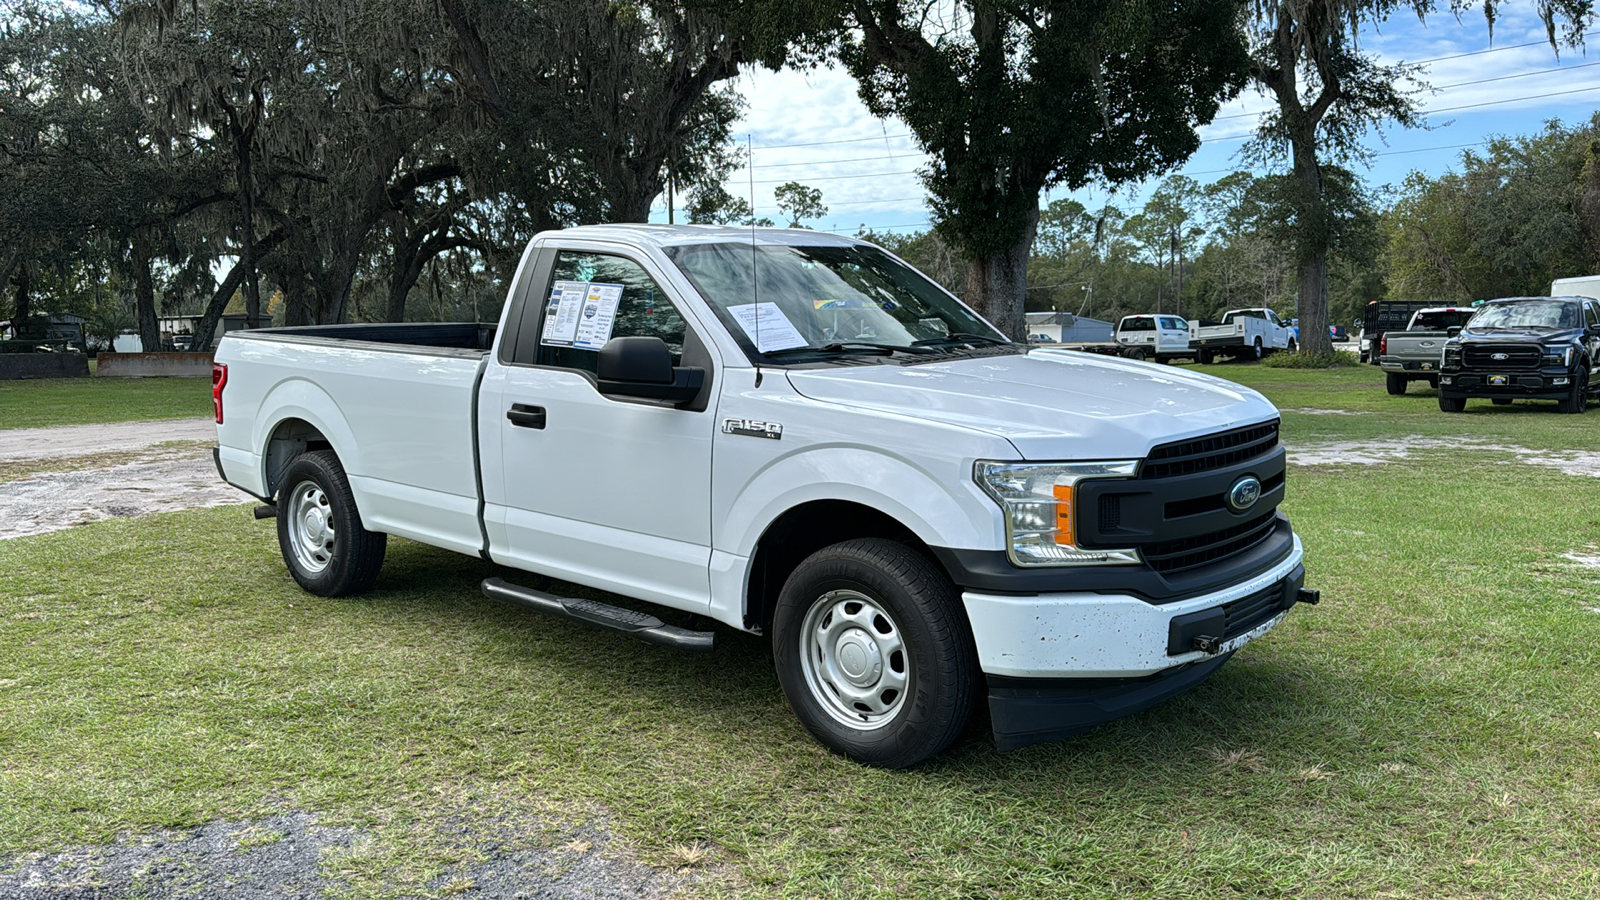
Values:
[(1396, 383), (319, 529), (1452, 404), (1501, 401), (1137, 353), (1205, 357), (1255, 350), (874, 653), (1578, 400)]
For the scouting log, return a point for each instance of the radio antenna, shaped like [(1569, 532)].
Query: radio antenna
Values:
[(755, 288)]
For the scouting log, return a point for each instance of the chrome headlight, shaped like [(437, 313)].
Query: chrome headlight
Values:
[(1037, 499)]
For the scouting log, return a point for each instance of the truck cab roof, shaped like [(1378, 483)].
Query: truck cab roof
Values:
[(660, 236)]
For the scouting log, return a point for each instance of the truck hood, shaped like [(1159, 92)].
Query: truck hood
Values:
[(1050, 404)]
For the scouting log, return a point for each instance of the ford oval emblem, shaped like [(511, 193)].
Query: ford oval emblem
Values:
[(1499, 356), (1244, 493)]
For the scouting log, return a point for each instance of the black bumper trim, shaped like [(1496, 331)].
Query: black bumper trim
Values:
[(1034, 710), (992, 572)]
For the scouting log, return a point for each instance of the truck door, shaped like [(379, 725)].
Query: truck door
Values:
[(608, 492)]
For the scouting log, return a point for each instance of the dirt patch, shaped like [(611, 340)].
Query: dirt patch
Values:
[(292, 856), (163, 480), (86, 440), (1367, 453)]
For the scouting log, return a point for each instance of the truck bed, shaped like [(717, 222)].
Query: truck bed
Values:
[(468, 339)]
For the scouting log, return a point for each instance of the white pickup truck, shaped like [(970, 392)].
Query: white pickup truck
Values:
[(1161, 338), (793, 434), (1243, 333)]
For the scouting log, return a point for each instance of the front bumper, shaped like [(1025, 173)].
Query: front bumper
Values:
[(1551, 382), (1060, 664)]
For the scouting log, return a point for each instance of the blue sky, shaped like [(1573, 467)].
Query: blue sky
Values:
[(810, 127)]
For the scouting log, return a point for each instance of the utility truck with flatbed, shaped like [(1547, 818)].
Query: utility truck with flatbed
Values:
[(1242, 333), (791, 434)]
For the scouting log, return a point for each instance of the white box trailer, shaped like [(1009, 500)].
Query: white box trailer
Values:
[(1579, 286)]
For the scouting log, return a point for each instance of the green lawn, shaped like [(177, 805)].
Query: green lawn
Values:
[(95, 401), (1431, 729)]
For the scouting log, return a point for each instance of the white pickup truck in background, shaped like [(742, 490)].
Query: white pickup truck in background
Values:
[(792, 434), (1162, 338), (1242, 333)]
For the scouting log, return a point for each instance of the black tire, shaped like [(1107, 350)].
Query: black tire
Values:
[(1205, 357), (320, 534), (1452, 404), (1433, 382), (1255, 350), (1576, 402), (1500, 401), (884, 609), (1396, 383), (1293, 346), (1137, 353)]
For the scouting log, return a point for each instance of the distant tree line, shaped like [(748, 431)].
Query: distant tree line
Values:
[(1506, 221), (343, 155)]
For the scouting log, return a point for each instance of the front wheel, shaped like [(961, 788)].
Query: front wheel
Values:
[(1452, 404), (1578, 400), (874, 653), (319, 530)]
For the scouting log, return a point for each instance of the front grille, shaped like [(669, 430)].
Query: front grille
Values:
[(1188, 553), (1213, 451), (1517, 356)]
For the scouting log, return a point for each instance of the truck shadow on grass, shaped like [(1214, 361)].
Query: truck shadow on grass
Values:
[(731, 696)]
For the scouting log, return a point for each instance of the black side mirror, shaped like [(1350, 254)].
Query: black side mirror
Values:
[(1453, 331), (642, 367)]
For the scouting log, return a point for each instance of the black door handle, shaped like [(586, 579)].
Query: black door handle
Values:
[(525, 416)]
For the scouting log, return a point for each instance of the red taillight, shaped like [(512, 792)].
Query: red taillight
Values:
[(1383, 347), (219, 380)]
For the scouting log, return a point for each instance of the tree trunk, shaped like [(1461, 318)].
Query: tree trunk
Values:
[(997, 284), (206, 328), (1311, 305), (24, 305), (144, 296)]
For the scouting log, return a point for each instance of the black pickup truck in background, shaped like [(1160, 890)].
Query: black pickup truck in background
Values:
[(1523, 348)]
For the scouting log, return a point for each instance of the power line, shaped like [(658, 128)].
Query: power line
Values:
[(1444, 87)]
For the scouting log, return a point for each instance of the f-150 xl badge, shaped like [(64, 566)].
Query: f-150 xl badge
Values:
[(752, 428)]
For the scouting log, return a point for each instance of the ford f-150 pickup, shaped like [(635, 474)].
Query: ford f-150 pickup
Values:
[(793, 434), (1524, 347)]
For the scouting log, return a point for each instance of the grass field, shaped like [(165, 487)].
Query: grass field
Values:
[(94, 401), (1431, 729)]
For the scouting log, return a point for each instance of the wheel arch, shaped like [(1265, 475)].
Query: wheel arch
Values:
[(803, 530), (298, 417)]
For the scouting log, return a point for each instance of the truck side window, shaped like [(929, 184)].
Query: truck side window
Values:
[(643, 309), (1589, 313)]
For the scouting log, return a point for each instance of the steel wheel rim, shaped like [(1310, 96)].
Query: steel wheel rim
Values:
[(854, 659), (311, 532)]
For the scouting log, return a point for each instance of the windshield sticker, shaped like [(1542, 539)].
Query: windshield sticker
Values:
[(562, 315), (598, 317), (767, 326), (848, 303)]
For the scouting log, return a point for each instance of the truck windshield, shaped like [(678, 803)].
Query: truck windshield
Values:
[(789, 300), (1526, 315)]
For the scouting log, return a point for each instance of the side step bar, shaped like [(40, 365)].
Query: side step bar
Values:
[(643, 626)]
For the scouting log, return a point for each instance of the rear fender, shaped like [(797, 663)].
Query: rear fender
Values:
[(300, 399)]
